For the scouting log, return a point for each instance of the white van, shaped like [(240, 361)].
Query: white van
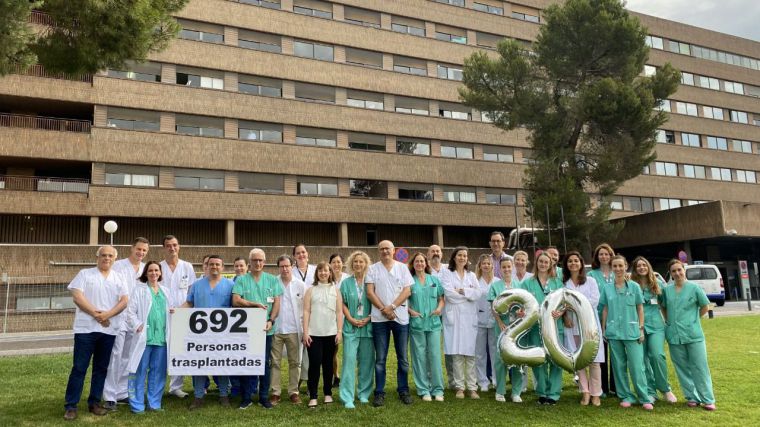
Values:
[(708, 277)]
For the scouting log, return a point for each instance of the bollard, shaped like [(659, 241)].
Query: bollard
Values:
[(749, 301), (710, 314)]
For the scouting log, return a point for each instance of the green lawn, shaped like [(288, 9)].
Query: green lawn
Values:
[(32, 389)]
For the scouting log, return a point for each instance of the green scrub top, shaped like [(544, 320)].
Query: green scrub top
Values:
[(622, 313), (532, 285), (653, 321), (157, 319), (424, 300), (355, 298), (601, 281), (263, 292), (682, 326)]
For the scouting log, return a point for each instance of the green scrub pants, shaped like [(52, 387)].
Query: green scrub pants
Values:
[(426, 362), (548, 377), (361, 350), (656, 364), (628, 357), (690, 361)]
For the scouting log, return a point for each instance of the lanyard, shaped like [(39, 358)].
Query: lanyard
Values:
[(303, 276)]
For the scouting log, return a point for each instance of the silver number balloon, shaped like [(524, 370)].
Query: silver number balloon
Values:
[(589, 333), (511, 353)]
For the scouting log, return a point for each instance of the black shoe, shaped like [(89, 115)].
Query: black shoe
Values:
[(406, 398), (336, 382), (245, 404), (550, 402), (124, 401), (109, 406), (379, 400), (266, 404), (542, 401)]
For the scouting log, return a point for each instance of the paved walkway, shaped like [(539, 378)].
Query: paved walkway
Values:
[(28, 343)]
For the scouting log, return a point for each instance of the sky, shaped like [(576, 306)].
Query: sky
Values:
[(736, 17)]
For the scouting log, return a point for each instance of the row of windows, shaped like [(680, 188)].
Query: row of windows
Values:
[(713, 83), (185, 124), (709, 112), (526, 14), (702, 52), (711, 142), (197, 179), (648, 204), (703, 172)]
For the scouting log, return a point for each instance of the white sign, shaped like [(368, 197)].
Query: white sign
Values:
[(217, 341)]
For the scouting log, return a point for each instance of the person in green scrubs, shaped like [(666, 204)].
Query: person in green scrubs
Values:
[(601, 272), (357, 333), (655, 363), (682, 305), (502, 321), (548, 375), (623, 327), (425, 307)]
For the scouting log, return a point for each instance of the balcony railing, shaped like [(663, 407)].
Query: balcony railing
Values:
[(38, 70), (41, 18), (47, 184), (45, 123)]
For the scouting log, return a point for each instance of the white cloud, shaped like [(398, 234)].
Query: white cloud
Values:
[(737, 17)]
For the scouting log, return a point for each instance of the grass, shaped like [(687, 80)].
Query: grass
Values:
[(32, 389)]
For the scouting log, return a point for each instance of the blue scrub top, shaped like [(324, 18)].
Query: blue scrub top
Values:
[(202, 296)]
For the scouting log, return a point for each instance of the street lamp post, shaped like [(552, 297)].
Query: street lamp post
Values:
[(110, 227)]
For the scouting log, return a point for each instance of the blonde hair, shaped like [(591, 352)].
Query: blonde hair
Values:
[(647, 282), (552, 272), (359, 254), (481, 258)]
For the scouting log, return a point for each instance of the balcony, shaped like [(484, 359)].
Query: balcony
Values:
[(44, 123), (38, 70), (44, 184), (41, 18)]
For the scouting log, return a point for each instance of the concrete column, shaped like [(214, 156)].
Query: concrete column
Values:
[(343, 235), (286, 5), (392, 190), (231, 36), (342, 139), (390, 146), (338, 12), (288, 89), (435, 148), (429, 29), (387, 61), (98, 174), (438, 235), (231, 128), (288, 134), (341, 95), (168, 73), (230, 233), (385, 21), (167, 122), (291, 184), (477, 152), (230, 81), (339, 54), (94, 228), (231, 182), (287, 45), (389, 102), (344, 187), (433, 105), (432, 69), (100, 116), (166, 177), (472, 37)]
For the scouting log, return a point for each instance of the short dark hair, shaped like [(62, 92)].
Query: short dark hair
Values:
[(333, 256), (140, 240), (284, 257), (169, 237), (296, 246), (241, 258), (410, 264), (452, 259), (493, 233), (214, 256), (144, 276), (566, 275)]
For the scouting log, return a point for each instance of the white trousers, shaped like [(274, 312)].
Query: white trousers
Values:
[(116, 387), (485, 340), (464, 372)]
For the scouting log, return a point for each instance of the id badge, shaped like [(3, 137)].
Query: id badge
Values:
[(360, 310), (270, 300), (184, 282), (653, 301)]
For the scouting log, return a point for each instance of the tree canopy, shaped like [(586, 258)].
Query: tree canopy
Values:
[(589, 112), (84, 36)]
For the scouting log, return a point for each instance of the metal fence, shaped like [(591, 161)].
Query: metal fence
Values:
[(45, 123), (34, 304), (47, 184), (38, 70)]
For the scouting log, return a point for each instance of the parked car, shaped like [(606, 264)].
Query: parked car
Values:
[(708, 277)]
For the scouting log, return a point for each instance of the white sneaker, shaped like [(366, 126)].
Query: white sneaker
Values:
[(439, 398), (500, 398), (516, 399), (427, 398), (179, 393), (484, 388)]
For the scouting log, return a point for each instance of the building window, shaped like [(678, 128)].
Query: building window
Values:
[(677, 47), (654, 42), (269, 4), (195, 80), (712, 112), (739, 117), (717, 143), (259, 41), (639, 204), (365, 58), (409, 29), (317, 137), (616, 203), (449, 73), (690, 139), (311, 186), (199, 126), (137, 176), (666, 204), (260, 86), (368, 188), (413, 147), (488, 41), (709, 83), (459, 194), (498, 154), (664, 106), (695, 202), (202, 36), (692, 171), (487, 8), (720, 174), (145, 72), (313, 8), (454, 38), (372, 101), (122, 118), (363, 17), (746, 176), (500, 198), (686, 108), (454, 111), (412, 106), (733, 87), (459, 3), (687, 78), (366, 142), (408, 65), (741, 146), (649, 70), (526, 17), (189, 179), (666, 136), (415, 192), (666, 169), (261, 183), (456, 151), (313, 50), (312, 92), (255, 131)]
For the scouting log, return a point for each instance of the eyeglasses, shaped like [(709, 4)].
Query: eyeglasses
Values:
[(497, 241), (256, 260)]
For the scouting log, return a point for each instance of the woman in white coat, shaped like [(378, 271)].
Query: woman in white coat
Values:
[(148, 318), (460, 326), (590, 382), (485, 344)]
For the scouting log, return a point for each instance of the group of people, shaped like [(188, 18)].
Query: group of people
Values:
[(123, 310)]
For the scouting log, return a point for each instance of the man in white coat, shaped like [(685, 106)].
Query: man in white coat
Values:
[(288, 331), (178, 276), (100, 295), (116, 386)]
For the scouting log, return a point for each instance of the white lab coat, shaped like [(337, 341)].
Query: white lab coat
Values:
[(124, 267), (308, 278), (460, 323), (140, 302), (591, 291), (178, 281), (291, 300)]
